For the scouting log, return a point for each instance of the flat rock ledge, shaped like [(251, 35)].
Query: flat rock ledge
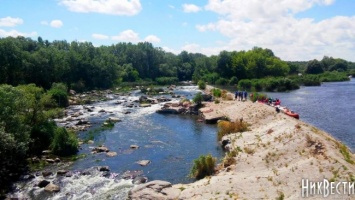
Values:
[(157, 190)]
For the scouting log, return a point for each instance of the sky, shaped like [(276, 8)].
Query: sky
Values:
[(295, 30)]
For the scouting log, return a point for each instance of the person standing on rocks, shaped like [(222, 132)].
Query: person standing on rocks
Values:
[(245, 95)]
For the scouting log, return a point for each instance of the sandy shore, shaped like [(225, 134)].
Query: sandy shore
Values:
[(277, 153)]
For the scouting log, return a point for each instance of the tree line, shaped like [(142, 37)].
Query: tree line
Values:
[(82, 66)]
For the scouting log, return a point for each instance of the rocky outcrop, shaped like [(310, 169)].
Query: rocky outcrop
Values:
[(158, 190)]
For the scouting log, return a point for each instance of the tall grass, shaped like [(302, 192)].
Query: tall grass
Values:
[(203, 166), (227, 127)]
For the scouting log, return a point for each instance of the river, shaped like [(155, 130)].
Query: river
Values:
[(169, 142), (329, 107), (172, 142)]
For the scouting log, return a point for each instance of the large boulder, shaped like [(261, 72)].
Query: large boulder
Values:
[(157, 190), (52, 188), (43, 183)]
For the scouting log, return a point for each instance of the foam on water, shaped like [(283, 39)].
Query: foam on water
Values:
[(94, 186)]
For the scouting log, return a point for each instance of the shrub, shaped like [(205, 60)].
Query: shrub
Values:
[(203, 166), (229, 159), (198, 98), (166, 80), (233, 80), (64, 143), (245, 84), (216, 92), (227, 127), (257, 96), (58, 92), (201, 84), (222, 81)]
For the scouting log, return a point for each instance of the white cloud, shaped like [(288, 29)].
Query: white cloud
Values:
[(127, 36), (112, 7), (190, 8), (99, 36), (10, 22), (272, 24), (15, 33), (152, 39), (56, 23)]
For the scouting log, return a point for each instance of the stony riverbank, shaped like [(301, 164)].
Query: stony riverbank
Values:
[(276, 154)]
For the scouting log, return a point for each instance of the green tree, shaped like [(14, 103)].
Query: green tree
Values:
[(58, 92), (64, 143), (314, 67)]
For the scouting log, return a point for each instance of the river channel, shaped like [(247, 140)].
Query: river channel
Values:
[(329, 107)]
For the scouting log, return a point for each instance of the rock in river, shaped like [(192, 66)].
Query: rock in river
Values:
[(52, 188), (143, 162), (111, 154)]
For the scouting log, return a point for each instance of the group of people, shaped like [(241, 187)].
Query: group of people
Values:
[(270, 101), (241, 95)]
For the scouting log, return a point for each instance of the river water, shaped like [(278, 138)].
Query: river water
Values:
[(170, 142), (329, 107)]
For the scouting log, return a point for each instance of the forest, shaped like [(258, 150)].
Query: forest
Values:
[(82, 66), (35, 76)]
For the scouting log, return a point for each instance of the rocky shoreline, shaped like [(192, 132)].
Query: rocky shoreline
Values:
[(78, 117), (275, 155), (273, 158)]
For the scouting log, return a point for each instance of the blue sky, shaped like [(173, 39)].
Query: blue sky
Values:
[(293, 29)]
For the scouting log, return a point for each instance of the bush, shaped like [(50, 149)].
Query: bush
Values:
[(198, 98), (226, 127), (216, 92), (203, 166), (257, 96), (166, 80), (201, 84), (64, 143), (59, 93), (244, 84), (222, 81), (233, 80)]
